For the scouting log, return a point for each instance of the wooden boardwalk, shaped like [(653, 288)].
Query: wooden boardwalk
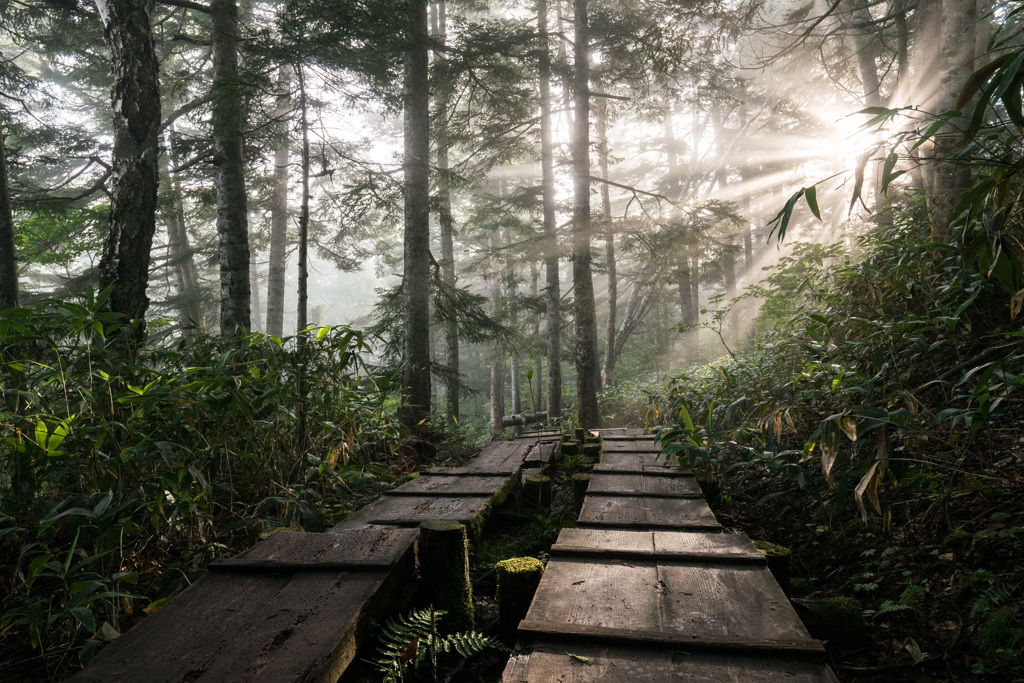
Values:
[(296, 606), (648, 588)]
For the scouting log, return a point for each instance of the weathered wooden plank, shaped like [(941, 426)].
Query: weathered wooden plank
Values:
[(268, 628), (667, 602), (540, 456), (669, 544), (653, 484), (497, 458), (630, 434), (409, 511), (631, 446), (660, 546), (618, 636), (635, 462), (544, 662), (372, 546), (451, 486), (646, 512)]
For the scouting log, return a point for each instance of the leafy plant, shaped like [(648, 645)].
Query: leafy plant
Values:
[(412, 640)]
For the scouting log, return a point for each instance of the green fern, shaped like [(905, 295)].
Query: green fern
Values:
[(407, 641)]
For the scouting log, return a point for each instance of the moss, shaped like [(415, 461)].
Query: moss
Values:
[(592, 451), (772, 549), (518, 578), (839, 617), (958, 540), (570, 447)]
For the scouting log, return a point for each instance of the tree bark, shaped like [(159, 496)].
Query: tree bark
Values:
[(497, 361), (416, 269), (278, 260), (8, 255), (135, 164), (955, 61), (446, 222), (608, 376), (302, 308), (587, 370), (186, 274), (228, 122), (552, 284), (537, 385)]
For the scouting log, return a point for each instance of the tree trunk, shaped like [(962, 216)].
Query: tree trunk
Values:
[(135, 171), (583, 284), (254, 289), (553, 287), (302, 308), (186, 275), (416, 269), (537, 385), (957, 55), (278, 260), (497, 364), (446, 222), (228, 122), (607, 377), (8, 256)]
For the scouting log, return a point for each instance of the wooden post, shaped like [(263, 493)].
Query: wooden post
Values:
[(537, 489), (592, 452), (580, 483), (518, 579), (444, 572), (778, 562)]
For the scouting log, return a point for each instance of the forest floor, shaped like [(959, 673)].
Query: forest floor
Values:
[(923, 594)]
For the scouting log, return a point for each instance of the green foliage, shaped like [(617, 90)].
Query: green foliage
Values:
[(845, 376), (412, 640), (121, 475)]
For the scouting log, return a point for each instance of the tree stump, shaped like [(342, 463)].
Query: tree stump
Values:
[(518, 579), (444, 573), (537, 489), (580, 482), (592, 452), (570, 447)]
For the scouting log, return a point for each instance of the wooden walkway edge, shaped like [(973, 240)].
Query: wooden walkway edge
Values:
[(649, 587)]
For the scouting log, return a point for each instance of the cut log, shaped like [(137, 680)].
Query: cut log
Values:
[(523, 419)]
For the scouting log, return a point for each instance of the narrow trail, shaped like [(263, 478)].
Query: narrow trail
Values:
[(646, 587)]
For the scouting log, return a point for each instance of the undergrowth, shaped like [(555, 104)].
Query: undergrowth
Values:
[(873, 427), (124, 472)]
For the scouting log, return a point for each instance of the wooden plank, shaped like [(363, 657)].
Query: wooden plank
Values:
[(659, 543), (668, 603), (408, 511), (497, 458), (373, 546), (230, 627), (541, 455), (544, 662), (642, 462), (617, 434), (653, 484), (451, 486), (618, 636), (646, 512), (631, 446)]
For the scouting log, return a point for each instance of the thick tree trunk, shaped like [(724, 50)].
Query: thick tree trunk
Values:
[(278, 259), (553, 287), (254, 289), (955, 61), (228, 123), (416, 269), (587, 370), (136, 158), (608, 376), (8, 256), (446, 222)]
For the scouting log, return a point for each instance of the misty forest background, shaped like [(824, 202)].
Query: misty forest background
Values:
[(260, 260)]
